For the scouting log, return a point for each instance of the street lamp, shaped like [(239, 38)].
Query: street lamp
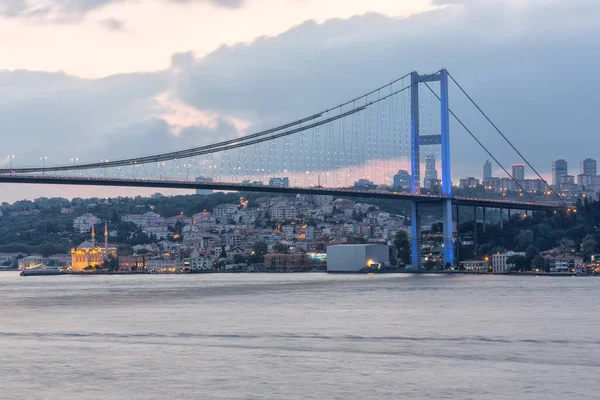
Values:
[(10, 159), (74, 162), (44, 158)]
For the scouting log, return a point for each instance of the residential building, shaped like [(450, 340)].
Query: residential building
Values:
[(282, 211), (133, 263), (9, 258), (364, 184), (223, 212), (84, 223), (277, 262), (469, 182), (518, 172), (143, 220), (200, 262), (564, 263), (280, 182), (33, 261), (474, 265), (402, 179), (499, 262)]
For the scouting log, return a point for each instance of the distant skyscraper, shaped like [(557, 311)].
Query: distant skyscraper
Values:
[(487, 169), (280, 182), (518, 172), (430, 171), (559, 169), (402, 179), (588, 166)]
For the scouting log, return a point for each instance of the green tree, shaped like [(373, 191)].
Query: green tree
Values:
[(281, 248), (519, 263), (525, 238), (239, 259), (403, 247), (588, 245), (531, 252), (260, 248), (223, 253)]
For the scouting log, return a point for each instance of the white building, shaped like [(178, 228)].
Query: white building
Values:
[(282, 212), (499, 264), (32, 261), (199, 262), (143, 220), (84, 223), (355, 257), (164, 265), (225, 211)]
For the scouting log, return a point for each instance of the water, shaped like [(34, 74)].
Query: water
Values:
[(299, 336)]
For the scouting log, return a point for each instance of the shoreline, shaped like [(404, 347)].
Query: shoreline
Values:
[(414, 272)]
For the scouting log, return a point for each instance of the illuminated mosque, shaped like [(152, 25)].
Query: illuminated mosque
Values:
[(87, 254)]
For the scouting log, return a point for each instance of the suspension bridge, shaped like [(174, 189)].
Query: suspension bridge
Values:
[(352, 149)]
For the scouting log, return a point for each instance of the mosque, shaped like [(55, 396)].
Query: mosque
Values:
[(87, 254)]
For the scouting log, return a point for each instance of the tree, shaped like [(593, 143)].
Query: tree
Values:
[(223, 253), (403, 247), (539, 262), (518, 262), (239, 259), (260, 248), (588, 245), (525, 238), (114, 218), (531, 252), (566, 244), (281, 248)]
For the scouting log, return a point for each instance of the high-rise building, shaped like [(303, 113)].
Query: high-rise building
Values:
[(487, 170), (402, 179), (280, 182), (430, 170), (518, 172), (588, 167), (559, 169)]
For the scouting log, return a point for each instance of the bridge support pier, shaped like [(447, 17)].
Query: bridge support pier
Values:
[(415, 220), (448, 242), (457, 258), (502, 218), (475, 231), (483, 219)]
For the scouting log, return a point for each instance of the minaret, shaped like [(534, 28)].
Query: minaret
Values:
[(106, 240), (93, 237)]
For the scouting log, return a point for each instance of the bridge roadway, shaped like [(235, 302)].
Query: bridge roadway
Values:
[(344, 192)]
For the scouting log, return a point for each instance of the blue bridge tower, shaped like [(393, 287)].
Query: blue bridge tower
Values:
[(418, 140)]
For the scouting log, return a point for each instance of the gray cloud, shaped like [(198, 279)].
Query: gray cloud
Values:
[(69, 11), (531, 69), (113, 24), (523, 65)]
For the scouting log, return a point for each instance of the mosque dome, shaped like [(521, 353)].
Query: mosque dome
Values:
[(85, 245)]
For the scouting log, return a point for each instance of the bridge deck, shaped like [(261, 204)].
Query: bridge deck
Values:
[(344, 192)]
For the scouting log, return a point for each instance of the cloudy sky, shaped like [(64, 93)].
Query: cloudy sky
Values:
[(99, 79)]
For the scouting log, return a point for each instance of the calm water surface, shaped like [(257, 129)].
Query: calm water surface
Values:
[(299, 336)]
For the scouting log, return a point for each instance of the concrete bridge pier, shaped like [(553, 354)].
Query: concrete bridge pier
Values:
[(415, 220)]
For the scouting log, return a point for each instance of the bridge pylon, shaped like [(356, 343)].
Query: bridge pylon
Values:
[(418, 140)]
